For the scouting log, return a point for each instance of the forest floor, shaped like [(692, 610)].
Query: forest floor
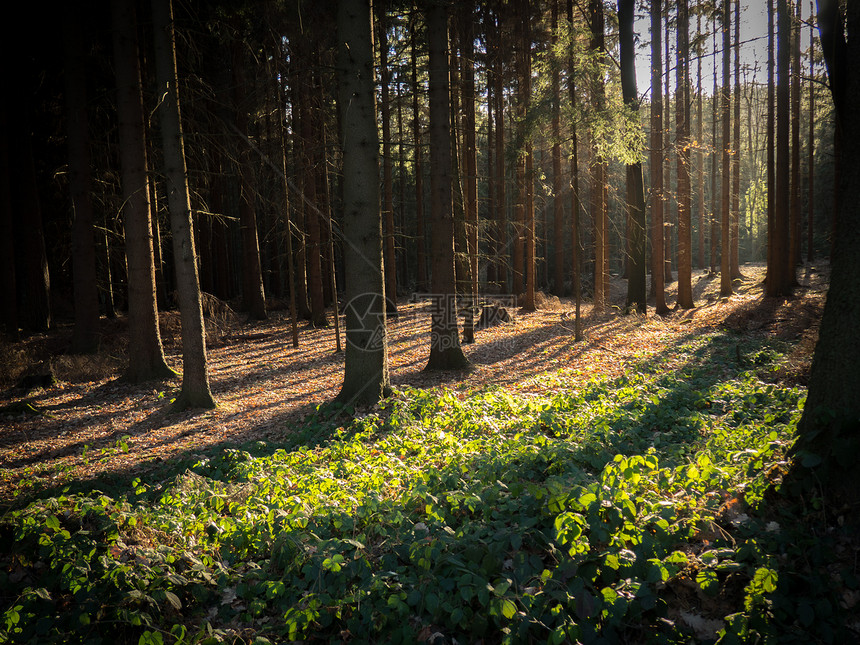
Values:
[(263, 386)]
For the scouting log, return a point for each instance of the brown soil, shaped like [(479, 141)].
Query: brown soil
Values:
[(263, 386)]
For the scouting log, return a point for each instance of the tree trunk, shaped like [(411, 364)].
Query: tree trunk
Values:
[(716, 158), (421, 241), (682, 136), (794, 205), (575, 204), (85, 338), (829, 430), (810, 169), (365, 377), (253, 296), (657, 274), (700, 153), (771, 142), (145, 353), (445, 350), (501, 220), (387, 183), (599, 167), (470, 162), (779, 274), (557, 201), (726, 179), (636, 279), (8, 290), (195, 391), (736, 151)]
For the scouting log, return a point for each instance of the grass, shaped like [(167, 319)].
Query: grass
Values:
[(633, 509)]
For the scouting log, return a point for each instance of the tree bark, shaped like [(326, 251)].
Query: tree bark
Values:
[(682, 147), (145, 353), (780, 270), (575, 204), (253, 296), (557, 179), (85, 338), (421, 241), (657, 238), (829, 429), (445, 350), (736, 151), (387, 183), (599, 167), (726, 288), (195, 391), (366, 377), (637, 291)]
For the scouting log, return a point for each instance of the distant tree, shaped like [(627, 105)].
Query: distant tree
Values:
[(657, 238), (381, 10), (366, 377), (8, 290), (599, 165), (253, 295), (421, 242), (682, 154), (810, 145), (445, 350), (575, 202), (195, 391), (734, 255), (637, 291), (145, 353), (780, 270), (794, 219), (85, 338), (726, 179), (829, 431), (557, 178)]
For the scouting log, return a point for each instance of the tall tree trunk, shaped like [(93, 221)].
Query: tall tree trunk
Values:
[(195, 391), (575, 204), (8, 290), (310, 165), (726, 180), (682, 137), (501, 220), (525, 85), (421, 242), (365, 377), (657, 238), (668, 228), (771, 140), (599, 167), (716, 156), (700, 153), (829, 430), (85, 338), (145, 353), (736, 151), (794, 205), (445, 350), (253, 296), (779, 275), (381, 8), (810, 168), (557, 200), (637, 291), (470, 161)]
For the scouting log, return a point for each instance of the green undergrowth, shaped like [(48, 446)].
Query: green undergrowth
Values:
[(634, 509)]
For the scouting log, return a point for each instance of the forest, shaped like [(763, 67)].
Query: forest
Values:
[(516, 321)]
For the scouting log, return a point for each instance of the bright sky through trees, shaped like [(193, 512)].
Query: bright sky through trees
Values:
[(753, 45)]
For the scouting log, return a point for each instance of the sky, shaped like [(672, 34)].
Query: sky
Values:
[(753, 46)]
